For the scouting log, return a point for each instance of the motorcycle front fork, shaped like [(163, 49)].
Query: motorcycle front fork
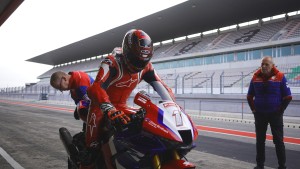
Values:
[(157, 163)]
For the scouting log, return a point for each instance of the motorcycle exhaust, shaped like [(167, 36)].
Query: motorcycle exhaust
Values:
[(67, 141)]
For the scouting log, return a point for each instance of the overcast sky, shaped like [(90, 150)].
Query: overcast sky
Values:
[(40, 26)]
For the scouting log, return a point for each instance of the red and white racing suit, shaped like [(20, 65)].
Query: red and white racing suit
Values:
[(114, 84)]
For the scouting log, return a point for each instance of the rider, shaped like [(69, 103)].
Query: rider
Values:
[(77, 82), (117, 77)]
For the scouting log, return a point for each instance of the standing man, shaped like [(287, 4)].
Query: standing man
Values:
[(77, 82), (268, 97)]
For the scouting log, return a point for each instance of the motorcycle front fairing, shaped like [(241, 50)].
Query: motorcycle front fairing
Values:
[(167, 120), (165, 131)]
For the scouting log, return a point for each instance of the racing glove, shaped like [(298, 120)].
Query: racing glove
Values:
[(82, 109), (116, 116), (76, 116), (83, 113)]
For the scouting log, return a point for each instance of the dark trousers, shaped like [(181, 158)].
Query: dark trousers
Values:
[(261, 125)]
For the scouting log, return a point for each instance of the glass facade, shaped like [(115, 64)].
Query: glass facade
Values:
[(198, 61), (208, 60), (229, 57), (256, 54), (217, 59), (276, 51), (241, 56), (296, 49), (267, 52), (286, 51)]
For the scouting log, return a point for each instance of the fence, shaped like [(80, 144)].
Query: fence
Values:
[(239, 82), (196, 104), (229, 105), (215, 83), (218, 83)]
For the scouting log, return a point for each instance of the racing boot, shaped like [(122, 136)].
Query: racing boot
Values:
[(87, 158)]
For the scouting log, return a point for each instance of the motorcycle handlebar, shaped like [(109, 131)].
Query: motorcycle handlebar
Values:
[(134, 123)]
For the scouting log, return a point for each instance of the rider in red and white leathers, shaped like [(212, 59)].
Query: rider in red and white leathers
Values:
[(117, 77)]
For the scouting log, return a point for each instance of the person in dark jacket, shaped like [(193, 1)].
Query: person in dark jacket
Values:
[(268, 97)]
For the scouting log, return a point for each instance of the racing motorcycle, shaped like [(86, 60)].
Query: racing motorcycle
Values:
[(158, 137)]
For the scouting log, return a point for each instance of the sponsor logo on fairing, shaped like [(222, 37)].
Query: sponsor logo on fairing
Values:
[(142, 100), (169, 104), (151, 123)]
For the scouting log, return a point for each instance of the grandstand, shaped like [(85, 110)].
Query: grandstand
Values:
[(218, 62), (221, 62)]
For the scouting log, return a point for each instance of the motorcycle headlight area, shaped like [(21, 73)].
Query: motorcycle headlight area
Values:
[(186, 136)]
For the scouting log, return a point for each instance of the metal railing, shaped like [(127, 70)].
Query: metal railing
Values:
[(236, 83)]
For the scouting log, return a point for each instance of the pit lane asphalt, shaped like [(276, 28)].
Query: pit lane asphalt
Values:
[(30, 136)]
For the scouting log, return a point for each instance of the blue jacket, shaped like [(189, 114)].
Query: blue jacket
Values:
[(269, 95)]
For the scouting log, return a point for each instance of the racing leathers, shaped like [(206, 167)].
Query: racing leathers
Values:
[(111, 89)]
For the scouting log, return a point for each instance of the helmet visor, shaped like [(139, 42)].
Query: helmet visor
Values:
[(145, 43)]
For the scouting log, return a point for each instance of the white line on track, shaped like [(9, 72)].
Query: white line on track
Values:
[(10, 160)]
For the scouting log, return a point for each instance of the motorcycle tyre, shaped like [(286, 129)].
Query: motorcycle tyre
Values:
[(71, 165)]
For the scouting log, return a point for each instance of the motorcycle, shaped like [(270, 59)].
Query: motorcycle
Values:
[(158, 137)]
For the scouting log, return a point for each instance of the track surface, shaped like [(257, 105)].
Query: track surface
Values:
[(29, 137)]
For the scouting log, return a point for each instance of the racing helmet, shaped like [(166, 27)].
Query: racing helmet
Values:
[(137, 49)]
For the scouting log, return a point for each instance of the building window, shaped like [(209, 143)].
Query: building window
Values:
[(189, 62), (267, 52), (241, 56), (229, 57), (180, 63), (286, 51), (297, 50), (208, 60), (158, 66), (256, 54), (217, 59), (198, 61), (173, 64)]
